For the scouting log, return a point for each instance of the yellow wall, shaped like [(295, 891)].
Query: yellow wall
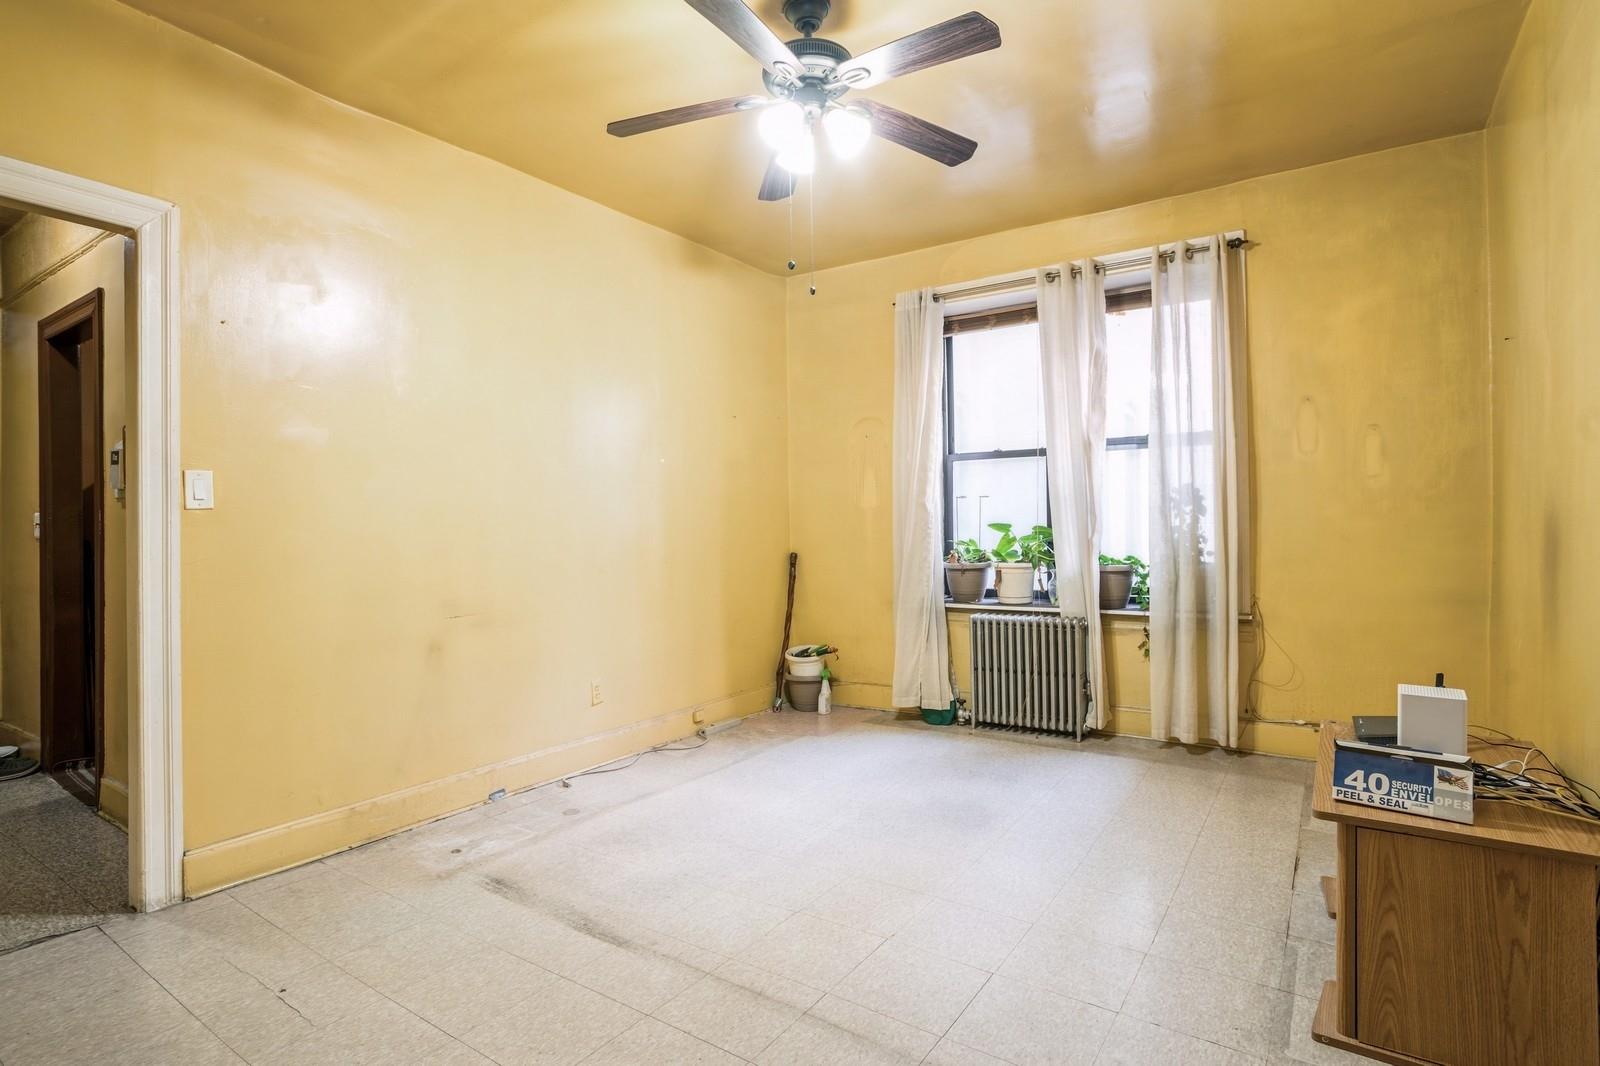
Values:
[(1543, 161), (36, 248), (478, 443), (1369, 375)]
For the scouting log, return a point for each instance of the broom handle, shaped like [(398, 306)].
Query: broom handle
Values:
[(788, 620)]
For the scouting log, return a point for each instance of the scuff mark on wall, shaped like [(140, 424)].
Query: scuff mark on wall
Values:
[(1377, 464), (1306, 432), (869, 461)]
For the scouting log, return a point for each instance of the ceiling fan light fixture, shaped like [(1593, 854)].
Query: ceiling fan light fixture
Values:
[(848, 130), (782, 125), (800, 155)]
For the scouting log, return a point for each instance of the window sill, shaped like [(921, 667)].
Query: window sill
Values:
[(1036, 607)]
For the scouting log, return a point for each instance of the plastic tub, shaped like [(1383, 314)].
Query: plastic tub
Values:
[(803, 692), (803, 665)]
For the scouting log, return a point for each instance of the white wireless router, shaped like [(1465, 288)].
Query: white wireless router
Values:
[(1432, 718)]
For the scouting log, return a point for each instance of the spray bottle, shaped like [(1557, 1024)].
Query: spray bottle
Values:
[(825, 696)]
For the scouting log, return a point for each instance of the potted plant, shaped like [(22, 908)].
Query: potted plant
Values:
[(1122, 578), (1013, 575), (1038, 551), (966, 571)]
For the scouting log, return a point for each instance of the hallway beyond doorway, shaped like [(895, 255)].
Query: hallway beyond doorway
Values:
[(66, 868)]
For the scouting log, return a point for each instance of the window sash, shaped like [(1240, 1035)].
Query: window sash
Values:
[(952, 457), (1000, 318)]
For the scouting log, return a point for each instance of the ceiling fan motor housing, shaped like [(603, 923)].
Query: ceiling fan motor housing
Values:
[(806, 15), (821, 58)]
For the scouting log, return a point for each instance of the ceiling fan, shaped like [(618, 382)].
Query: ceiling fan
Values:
[(807, 78)]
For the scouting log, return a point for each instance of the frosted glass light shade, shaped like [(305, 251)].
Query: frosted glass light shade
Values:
[(800, 156), (781, 125), (848, 130)]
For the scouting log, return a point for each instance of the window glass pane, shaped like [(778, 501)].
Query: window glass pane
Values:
[(1125, 503), (995, 388), (1008, 490), (1128, 373)]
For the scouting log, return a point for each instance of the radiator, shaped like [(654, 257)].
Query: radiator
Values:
[(1028, 672)]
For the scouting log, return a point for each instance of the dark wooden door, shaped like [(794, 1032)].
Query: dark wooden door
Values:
[(71, 555)]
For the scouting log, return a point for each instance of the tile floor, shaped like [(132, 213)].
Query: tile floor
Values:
[(849, 889), (62, 867)]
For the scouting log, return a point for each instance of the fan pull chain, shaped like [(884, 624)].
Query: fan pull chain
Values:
[(812, 203), (792, 263)]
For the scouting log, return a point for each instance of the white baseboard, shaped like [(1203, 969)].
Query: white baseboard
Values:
[(250, 855)]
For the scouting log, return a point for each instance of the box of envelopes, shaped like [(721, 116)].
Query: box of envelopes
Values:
[(1409, 782)]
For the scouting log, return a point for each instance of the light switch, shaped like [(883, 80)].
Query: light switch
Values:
[(197, 495)]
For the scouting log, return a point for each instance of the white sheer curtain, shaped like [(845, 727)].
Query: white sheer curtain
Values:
[(1072, 360), (1196, 496), (921, 645)]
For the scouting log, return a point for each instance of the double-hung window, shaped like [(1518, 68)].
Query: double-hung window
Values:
[(1125, 477), (995, 457)]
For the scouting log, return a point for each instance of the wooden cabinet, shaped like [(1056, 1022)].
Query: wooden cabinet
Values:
[(1462, 945)]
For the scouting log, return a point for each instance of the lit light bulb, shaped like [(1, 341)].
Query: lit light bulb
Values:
[(848, 130), (782, 124), (800, 156)]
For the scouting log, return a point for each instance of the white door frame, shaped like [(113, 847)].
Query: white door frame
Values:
[(155, 750)]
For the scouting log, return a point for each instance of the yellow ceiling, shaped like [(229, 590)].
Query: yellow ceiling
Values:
[(1089, 104)]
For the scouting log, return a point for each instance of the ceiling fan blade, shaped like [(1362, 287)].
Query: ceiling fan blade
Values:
[(778, 183), (962, 36), (748, 32), (677, 116), (918, 134)]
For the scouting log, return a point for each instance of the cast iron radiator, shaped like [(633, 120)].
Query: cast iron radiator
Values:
[(1028, 672)]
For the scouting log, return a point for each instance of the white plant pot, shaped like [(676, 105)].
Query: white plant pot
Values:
[(1013, 583)]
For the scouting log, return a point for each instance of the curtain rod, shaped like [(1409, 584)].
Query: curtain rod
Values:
[(1022, 283)]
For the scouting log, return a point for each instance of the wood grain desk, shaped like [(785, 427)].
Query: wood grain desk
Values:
[(1466, 945)]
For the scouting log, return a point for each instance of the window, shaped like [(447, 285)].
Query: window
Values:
[(994, 426), (1125, 478)]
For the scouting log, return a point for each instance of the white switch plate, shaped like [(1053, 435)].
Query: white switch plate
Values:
[(197, 494)]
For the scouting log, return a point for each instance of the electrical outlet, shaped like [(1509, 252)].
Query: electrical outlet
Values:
[(595, 699)]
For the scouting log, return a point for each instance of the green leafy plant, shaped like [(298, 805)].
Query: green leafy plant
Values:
[(1007, 549), (968, 550), (1038, 548), (1141, 577)]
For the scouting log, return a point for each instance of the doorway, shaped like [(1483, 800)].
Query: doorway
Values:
[(71, 529), (154, 745)]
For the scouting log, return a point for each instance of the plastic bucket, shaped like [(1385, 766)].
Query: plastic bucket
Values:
[(803, 692), (803, 665)]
